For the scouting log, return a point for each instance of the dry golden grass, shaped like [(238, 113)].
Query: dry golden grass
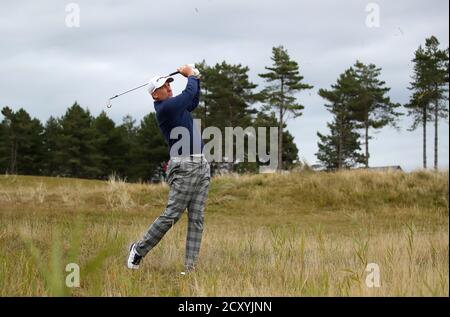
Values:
[(301, 234)]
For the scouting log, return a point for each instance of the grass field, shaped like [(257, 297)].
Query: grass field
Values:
[(301, 234)]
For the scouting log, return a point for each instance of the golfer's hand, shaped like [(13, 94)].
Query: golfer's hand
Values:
[(186, 70)]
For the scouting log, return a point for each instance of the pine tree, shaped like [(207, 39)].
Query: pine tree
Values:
[(341, 148), (151, 151), (51, 143), (23, 142), (3, 146), (208, 83), (10, 143), (111, 147), (78, 156), (286, 79), (290, 150), (227, 98), (333, 153), (233, 94), (429, 88), (128, 131), (372, 107), (30, 158)]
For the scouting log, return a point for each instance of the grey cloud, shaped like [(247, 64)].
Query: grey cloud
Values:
[(45, 66)]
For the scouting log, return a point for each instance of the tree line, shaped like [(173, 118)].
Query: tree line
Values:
[(359, 102), (78, 144)]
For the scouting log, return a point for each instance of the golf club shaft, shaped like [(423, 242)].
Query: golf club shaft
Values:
[(125, 92)]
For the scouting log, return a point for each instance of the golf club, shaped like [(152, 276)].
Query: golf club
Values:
[(109, 105)]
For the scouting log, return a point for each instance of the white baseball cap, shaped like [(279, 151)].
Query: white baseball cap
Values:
[(157, 82)]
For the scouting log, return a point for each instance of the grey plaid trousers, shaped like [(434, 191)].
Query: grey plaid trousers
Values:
[(188, 179)]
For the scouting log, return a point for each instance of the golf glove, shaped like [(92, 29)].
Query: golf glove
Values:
[(196, 71)]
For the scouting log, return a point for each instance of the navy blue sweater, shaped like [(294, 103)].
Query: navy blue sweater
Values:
[(176, 112)]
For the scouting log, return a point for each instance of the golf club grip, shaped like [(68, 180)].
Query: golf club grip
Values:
[(174, 73)]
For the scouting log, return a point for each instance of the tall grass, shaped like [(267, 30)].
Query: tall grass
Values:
[(301, 234)]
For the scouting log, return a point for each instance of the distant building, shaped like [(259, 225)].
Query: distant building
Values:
[(384, 168), (317, 167), (268, 171)]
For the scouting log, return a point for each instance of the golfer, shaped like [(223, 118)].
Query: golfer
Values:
[(188, 174)]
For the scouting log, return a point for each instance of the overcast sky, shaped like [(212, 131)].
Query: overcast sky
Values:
[(45, 65)]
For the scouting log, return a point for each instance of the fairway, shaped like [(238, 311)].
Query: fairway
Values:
[(299, 234)]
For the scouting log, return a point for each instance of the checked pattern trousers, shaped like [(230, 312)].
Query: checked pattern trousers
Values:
[(188, 179)]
